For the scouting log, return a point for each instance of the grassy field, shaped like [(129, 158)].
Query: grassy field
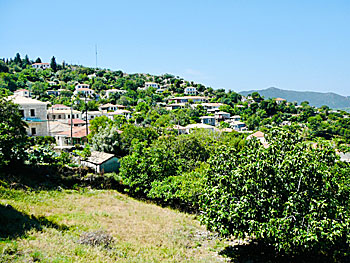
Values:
[(49, 226)]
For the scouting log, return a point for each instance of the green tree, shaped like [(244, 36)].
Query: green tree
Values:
[(289, 195), (12, 133), (107, 140), (53, 64)]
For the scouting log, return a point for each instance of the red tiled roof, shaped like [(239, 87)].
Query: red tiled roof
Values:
[(41, 64), (77, 121), (78, 132)]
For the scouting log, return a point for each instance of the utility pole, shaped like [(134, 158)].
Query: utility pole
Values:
[(96, 53), (86, 117), (71, 124)]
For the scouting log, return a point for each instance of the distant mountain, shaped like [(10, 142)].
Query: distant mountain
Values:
[(317, 99)]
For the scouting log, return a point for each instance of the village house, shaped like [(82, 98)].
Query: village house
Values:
[(93, 114), (178, 128), (279, 100), (151, 84), (210, 106), (41, 65), (22, 92), (259, 136), (59, 107), (84, 91), (199, 126), (186, 99), (238, 126), (235, 118), (110, 92), (75, 135), (190, 91), (76, 122), (210, 120), (125, 113), (82, 86), (175, 106), (34, 113), (111, 107), (160, 91), (53, 92), (102, 162), (222, 116), (63, 115)]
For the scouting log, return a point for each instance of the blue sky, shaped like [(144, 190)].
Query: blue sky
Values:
[(237, 44)]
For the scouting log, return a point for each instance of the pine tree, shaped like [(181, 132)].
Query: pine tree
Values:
[(38, 60), (53, 64), (18, 59)]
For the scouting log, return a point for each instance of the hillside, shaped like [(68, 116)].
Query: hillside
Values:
[(317, 99)]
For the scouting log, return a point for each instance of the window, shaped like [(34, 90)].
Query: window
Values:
[(22, 113), (54, 116), (32, 112), (33, 131), (59, 116), (68, 116)]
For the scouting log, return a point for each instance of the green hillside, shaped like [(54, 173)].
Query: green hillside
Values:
[(317, 99)]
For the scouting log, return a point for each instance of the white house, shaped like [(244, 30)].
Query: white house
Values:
[(125, 113), (238, 125), (92, 115), (235, 118), (199, 126), (190, 91), (63, 115), (151, 84), (111, 107), (84, 91), (259, 136), (222, 116), (22, 92), (175, 106), (81, 86), (186, 99), (41, 65), (210, 120), (210, 106), (279, 100), (160, 91), (102, 162), (34, 113), (109, 92)]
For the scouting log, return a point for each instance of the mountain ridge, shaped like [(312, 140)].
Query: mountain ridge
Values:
[(317, 99)]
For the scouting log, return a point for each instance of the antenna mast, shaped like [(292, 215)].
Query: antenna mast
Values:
[(96, 53)]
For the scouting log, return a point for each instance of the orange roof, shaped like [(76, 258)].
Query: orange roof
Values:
[(280, 99), (41, 64)]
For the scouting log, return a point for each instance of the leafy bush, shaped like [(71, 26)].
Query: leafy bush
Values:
[(290, 195), (145, 165)]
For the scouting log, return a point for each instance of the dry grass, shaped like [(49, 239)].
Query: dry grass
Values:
[(142, 232)]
